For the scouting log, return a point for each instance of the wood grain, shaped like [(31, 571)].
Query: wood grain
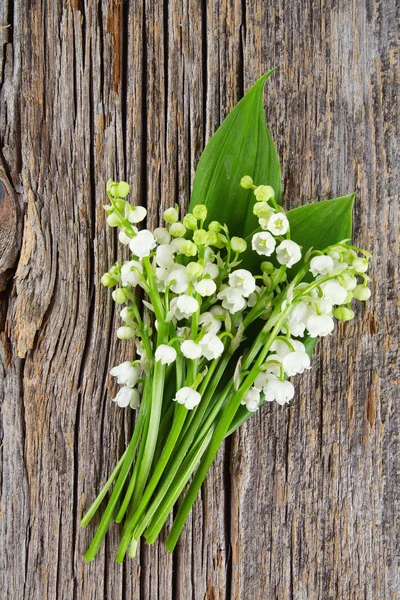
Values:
[(301, 503)]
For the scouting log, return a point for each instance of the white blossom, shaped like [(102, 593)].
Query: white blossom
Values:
[(288, 253), (165, 354), (242, 280), (180, 279), (334, 292), (263, 243), (143, 243), (190, 349), (125, 396), (280, 391), (183, 307), (211, 270), (126, 373), (137, 214), (162, 235), (125, 332), (124, 238), (295, 362), (187, 396), (205, 287), (278, 224), (232, 299), (211, 346), (164, 256), (208, 321), (130, 273), (319, 325), (321, 265), (296, 321), (251, 399)]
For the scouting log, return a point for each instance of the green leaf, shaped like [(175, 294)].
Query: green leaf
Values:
[(241, 146), (322, 224)]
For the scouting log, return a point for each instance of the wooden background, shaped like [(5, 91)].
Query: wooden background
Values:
[(301, 503)]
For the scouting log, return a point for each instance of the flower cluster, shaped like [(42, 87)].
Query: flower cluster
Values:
[(191, 274), (213, 306)]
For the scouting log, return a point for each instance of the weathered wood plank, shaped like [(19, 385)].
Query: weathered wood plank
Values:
[(301, 503)]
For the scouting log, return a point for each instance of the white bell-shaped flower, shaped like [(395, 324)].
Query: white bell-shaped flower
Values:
[(251, 399), (280, 391), (205, 287), (242, 280), (321, 265), (188, 396), (190, 349), (278, 224), (211, 346), (126, 373), (130, 273), (211, 270), (209, 323), (334, 292), (295, 362), (162, 235), (296, 321), (137, 214), (143, 243), (180, 279), (183, 307), (124, 238), (283, 349), (263, 243), (232, 299), (165, 354), (319, 325), (288, 253), (164, 256), (125, 332), (125, 396)]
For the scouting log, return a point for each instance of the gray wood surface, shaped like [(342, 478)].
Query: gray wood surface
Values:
[(301, 503)]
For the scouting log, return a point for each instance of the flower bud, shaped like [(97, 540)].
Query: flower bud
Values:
[(194, 269), (125, 332), (361, 292), (108, 208), (188, 248), (190, 221), (113, 220), (246, 182), (267, 267), (360, 265), (120, 204), (177, 230), (108, 280), (119, 295), (171, 215), (214, 226), (262, 210), (120, 189), (200, 212), (200, 237), (343, 314), (263, 193), (219, 242), (238, 244), (212, 238), (109, 185)]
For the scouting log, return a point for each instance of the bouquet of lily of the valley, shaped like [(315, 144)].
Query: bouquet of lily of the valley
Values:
[(222, 305)]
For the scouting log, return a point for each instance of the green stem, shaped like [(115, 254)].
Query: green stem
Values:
[(179, 482), (92, 510), (112, 503), (217, 438)]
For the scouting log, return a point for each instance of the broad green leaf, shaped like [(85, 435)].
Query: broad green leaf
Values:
[(241, 146), (316, 225), (322, 224)]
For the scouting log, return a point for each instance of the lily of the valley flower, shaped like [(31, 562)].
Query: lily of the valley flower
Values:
[(143, 243), (165, 354), (263, 243), (251, 399), (288, 253), (187, 396), (126, 373), (127, 396)]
